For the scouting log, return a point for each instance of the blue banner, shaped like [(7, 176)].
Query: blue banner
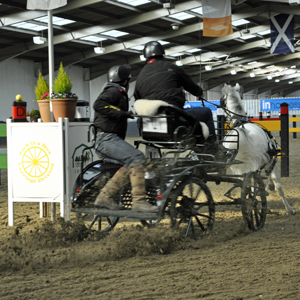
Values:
[(274, 104), (282, 34), (210, 104)]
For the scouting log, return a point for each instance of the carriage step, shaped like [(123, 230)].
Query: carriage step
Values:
[(117, 213)]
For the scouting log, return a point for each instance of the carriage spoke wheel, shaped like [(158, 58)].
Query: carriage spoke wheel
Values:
[(192, 208), (254, 201), (104, 223)]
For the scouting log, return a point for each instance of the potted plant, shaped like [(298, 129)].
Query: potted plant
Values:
[(62, 99), (34, 115), (42, 97)]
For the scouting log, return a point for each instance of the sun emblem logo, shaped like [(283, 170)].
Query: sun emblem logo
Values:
[(35, 162)]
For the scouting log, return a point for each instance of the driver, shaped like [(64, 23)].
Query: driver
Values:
[(111, 114), (162, 80)]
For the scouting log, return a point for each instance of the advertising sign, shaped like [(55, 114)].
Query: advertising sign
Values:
[(210, 104), (36, 170), (274, 104)]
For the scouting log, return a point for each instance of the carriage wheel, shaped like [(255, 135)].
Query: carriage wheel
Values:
[(105, 223), (254, 201), (192, 208), (112, 222)]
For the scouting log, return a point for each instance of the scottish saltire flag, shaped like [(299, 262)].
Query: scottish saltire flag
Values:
[(216, 17), (45, 4), (282, 34)]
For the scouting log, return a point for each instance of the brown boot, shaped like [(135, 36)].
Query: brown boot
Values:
[(106, 197), (139, 203)]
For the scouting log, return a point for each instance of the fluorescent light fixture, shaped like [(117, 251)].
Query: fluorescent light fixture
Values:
[(93, 38), (163, 42), (134, 2), (139, 47), (252, 74), (115, 33), (197, 10), (142, 57), (240, 22), (29, 26), (181, 16), (177, 54), (270, 66), (55, 20), (193, 50), (247, 37), (208, 67), (291, 82), (99, 50), (277, 80), (39, 40), (222, 55), (233, 72), (252, 62), (179, 63), (293, 67), (269, 77), (264, 32)]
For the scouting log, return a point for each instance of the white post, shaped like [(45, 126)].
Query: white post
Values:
[(50, 57), (9, 176), (67, 169)]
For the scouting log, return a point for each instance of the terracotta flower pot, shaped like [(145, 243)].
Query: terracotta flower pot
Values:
[(44, 108), (64, 108)]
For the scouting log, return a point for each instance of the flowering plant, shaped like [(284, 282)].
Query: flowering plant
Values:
[(46, 96), (63, 95), (62, 85), (41, 88)]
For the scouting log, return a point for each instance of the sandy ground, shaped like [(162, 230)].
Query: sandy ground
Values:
[(41, 259)]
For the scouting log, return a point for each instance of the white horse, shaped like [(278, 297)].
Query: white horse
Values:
[(254, 143)]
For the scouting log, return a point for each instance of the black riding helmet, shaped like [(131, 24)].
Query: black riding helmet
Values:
[(153, 49), (119, 73)]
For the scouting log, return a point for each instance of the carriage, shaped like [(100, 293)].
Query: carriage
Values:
[(176, 176)]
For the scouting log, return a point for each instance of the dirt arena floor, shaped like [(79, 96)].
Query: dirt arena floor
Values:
[(41, 259)]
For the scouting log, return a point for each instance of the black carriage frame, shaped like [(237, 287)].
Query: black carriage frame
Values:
[(183, 169)]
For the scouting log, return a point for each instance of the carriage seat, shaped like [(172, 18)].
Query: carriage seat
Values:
[(161, 121)]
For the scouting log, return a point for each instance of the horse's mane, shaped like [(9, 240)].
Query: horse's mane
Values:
[(234, 101)]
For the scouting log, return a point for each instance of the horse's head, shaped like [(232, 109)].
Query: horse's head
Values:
[(231, 101)]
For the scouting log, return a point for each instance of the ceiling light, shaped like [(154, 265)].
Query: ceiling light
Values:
[(142, 57), (175, 26), (291, 82), (233, 72), (99, 50), (252, 74), (179, 63), (269, 77), (208, 67), (277, 80), (245, 31), (39, 40)]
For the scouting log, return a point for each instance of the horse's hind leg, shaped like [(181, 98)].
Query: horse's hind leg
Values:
[(275, 179)]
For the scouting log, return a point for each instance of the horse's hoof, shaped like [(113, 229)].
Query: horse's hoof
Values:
[(292, 212)]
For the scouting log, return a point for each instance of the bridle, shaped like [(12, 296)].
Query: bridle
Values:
[(223, 105)]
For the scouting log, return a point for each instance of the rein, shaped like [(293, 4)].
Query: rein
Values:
[(222, 105)]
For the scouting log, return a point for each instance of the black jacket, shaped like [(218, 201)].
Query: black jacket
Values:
[(111, 108), (162, 80)]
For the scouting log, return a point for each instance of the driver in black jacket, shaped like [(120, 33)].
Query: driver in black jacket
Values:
[(163, 80), (111, 114)]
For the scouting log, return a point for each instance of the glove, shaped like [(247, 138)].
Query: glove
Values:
[(130, 114)]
